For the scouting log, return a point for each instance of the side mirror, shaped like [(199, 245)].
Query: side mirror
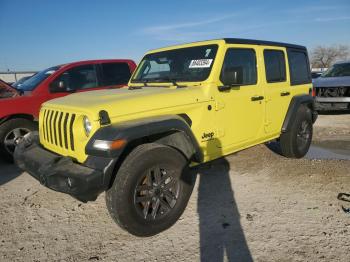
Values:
[(58, 87), (61, 85), (231, 76)]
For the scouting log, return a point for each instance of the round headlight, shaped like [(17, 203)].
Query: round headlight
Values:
[(87, 125)]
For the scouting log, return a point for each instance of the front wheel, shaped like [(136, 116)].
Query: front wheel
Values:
[(296, 142), (11, 132), (150, 190)]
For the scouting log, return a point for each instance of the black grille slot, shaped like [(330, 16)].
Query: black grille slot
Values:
[(60, 129), (65, 131), (51, 126), (44, 126), (47, 124), (71, 132), (54, 127)]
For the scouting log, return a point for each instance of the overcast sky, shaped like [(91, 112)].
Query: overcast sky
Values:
[(37, 34)]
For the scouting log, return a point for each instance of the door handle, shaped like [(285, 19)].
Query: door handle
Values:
[(257, 98), (286, 93)]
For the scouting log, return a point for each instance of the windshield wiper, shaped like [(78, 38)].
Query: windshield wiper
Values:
[(171, 80), (157, 80)]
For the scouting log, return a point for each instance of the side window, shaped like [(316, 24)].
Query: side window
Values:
[(239, 64), (80, 77), (275, 66), (115, 74), (299, 67)]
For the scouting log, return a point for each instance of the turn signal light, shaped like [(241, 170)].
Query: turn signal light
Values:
[(108, 145)]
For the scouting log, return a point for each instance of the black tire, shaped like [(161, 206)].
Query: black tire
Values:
[(296, 142), (134, 182), (13, 129)]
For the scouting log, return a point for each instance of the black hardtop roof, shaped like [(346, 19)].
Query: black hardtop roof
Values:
[(261, 42)]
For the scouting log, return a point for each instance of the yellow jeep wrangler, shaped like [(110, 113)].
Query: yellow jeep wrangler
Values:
[(184, 105)]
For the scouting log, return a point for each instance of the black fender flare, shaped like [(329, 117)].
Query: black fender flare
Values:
[(170, 130), (294, 105)]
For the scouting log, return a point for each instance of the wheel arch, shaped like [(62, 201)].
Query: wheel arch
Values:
[(14, 116), (172, 130), (296, 102)]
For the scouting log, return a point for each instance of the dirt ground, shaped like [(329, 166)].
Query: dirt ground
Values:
[(253, 205)]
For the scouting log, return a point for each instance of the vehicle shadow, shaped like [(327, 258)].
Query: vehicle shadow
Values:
[(220, 229), (8, 172)]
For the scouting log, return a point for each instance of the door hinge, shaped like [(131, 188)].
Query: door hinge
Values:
[(219, 105), (267, 123)]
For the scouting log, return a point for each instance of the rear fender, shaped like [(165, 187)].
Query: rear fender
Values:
[(296, 102)]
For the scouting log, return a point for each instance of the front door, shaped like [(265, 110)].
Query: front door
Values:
[(240, 110), (76, 79)]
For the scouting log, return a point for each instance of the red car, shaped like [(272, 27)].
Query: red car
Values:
[(19, 108)]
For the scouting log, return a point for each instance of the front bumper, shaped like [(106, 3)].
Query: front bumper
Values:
[(332, 99), (61, 173), (331, 103)]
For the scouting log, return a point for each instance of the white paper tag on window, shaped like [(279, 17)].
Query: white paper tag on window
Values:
[(200, 63)]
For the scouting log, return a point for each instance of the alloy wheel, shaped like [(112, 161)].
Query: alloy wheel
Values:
[(156, 193), (303, 135), (13, 138)]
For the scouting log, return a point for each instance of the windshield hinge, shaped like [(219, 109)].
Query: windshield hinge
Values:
[(134, 87)]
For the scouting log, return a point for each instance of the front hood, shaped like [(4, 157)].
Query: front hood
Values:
[(331, 81), (7, 91), (124, 101)]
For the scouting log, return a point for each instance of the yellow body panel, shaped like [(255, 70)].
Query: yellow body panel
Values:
[(234, 120)]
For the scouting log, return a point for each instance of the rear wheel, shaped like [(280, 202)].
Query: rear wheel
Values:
[(296, 142), (150, 190), (11, 132)]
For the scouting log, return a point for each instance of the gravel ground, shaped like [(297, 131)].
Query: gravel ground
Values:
[(253, 205)]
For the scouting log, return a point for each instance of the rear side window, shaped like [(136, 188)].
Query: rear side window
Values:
[(243, 62), (299, 67), (275, 66), (115, 74)]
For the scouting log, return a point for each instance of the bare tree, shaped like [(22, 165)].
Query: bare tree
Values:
[(323, 56)]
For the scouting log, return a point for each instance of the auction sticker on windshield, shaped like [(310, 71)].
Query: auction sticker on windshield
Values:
[(200, 63)]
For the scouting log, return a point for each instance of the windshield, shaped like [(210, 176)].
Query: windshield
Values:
[(189, 64), (338, 70), (19, 82), (31, 83)]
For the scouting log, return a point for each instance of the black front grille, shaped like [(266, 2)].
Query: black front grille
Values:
[(343, 91), (57, 128)]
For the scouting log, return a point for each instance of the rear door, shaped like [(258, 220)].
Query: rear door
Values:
[(277, 88)]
